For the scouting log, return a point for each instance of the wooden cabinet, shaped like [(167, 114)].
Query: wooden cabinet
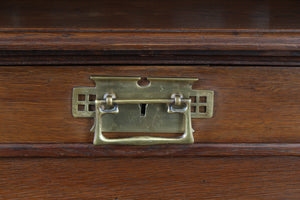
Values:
[(247, 52)]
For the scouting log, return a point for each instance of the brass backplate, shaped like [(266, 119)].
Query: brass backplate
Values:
[(143, 118)]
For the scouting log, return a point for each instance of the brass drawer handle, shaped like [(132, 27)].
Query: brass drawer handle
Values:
[(167, 106), (187, 137)]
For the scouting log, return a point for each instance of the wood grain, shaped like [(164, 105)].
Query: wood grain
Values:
[(143, 14), (250, 148), (194, 150), (151, 178), (252, 104), (147, 40), (215, 32), (169, 57)]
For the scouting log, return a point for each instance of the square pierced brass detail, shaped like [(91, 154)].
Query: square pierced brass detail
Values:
[(195, 95), (122, 104), (81, 101), (203, 104)]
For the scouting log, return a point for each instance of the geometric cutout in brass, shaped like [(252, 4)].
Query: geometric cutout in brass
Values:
[(120, 104)]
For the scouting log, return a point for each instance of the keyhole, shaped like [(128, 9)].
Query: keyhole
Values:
[(143, 109)]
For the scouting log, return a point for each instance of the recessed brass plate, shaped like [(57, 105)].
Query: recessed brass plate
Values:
[(144, 109)]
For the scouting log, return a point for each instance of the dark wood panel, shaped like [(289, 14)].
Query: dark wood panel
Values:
[(143, 14), (252, 104), (128, 40), (194, 150), (236, 58), (166, 178)]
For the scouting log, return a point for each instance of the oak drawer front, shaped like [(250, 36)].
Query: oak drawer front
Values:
[(252, 104), (151, 178)]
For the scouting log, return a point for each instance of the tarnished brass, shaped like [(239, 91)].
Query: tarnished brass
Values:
[(120, 104), (187, 136)]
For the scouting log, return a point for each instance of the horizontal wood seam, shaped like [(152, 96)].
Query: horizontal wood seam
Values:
[(149, 30), (149, 41), (194, 150)]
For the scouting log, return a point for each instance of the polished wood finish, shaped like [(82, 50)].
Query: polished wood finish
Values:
[(151, 178), (158, 32), (148, 40), (237, 47), (143, 14), (248, 52), (194, 150), (252, 104), (232, 58)]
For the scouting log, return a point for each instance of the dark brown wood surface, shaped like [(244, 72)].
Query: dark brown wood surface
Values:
[(252, 104), (218, 40), (151, 178), (77, 47), (193, 150), (150, 32), (143, 14), (250, 148), (231, 58)]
